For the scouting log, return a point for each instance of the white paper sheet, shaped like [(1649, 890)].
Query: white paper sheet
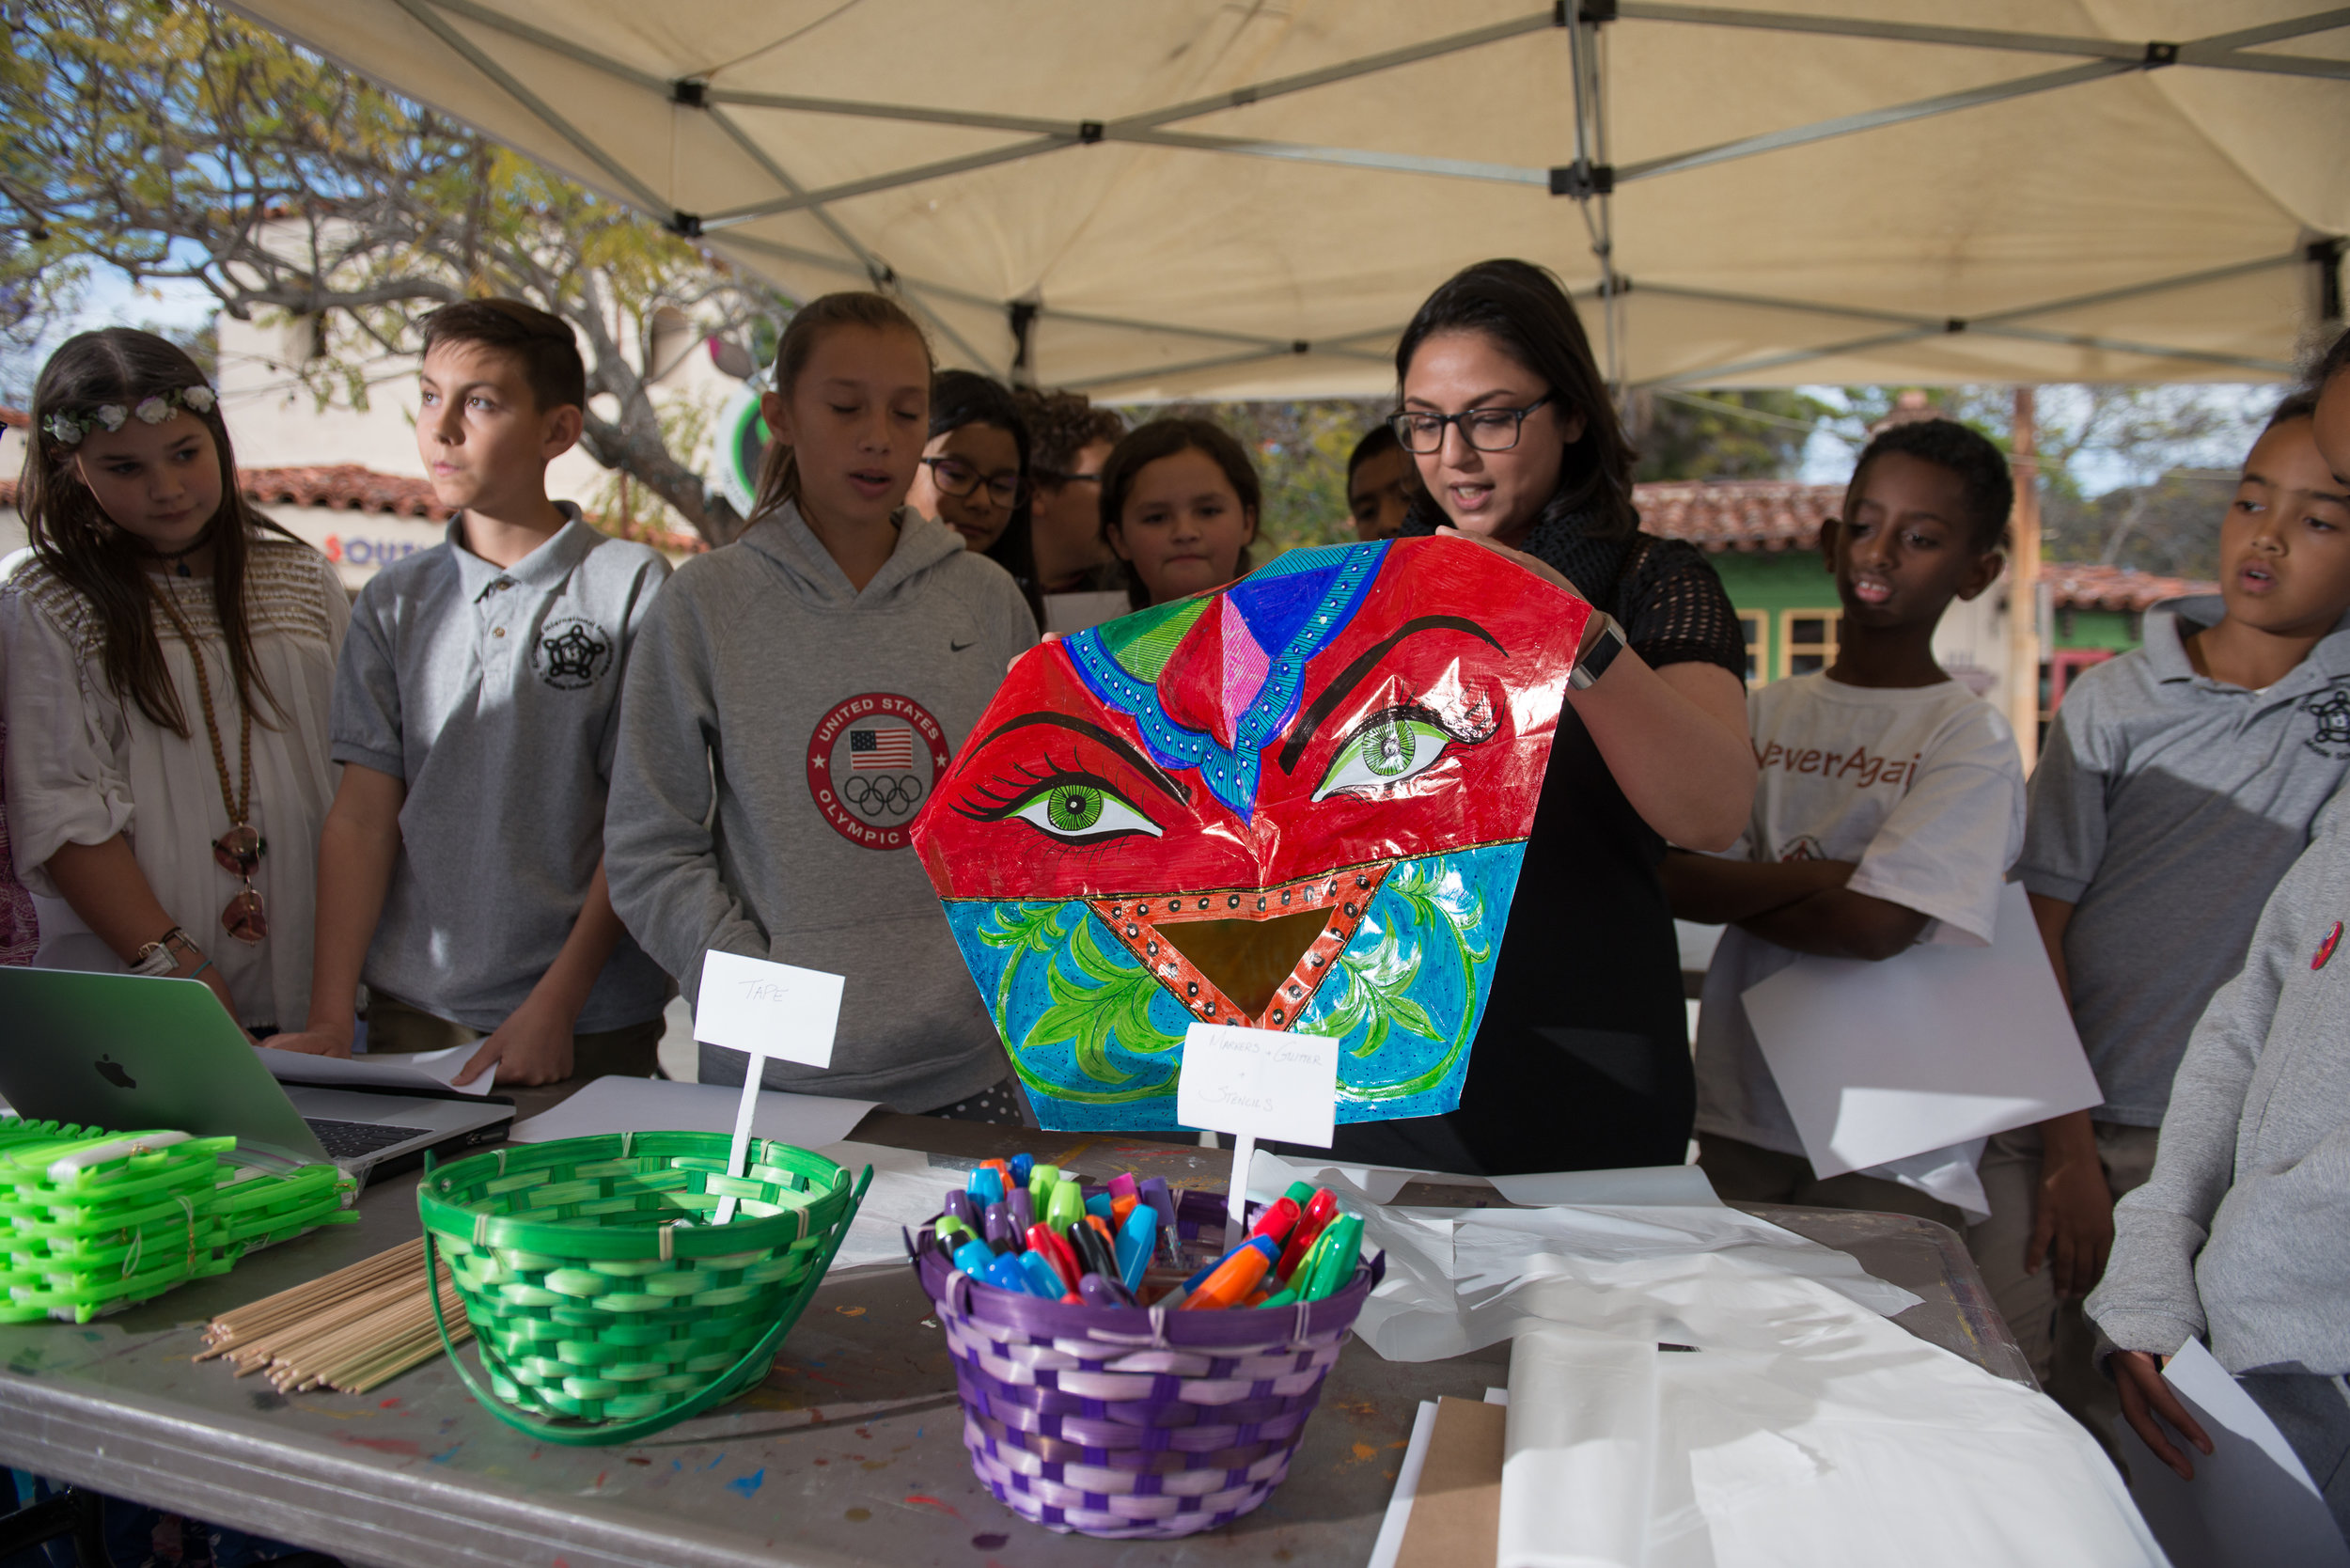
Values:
[(426, 1071), (1269, 1174), (1673, 1186), (1802, 1430), (907, 1190), (617, 1105), (1579, 1454), (2252, 1503), (1879, 1061)]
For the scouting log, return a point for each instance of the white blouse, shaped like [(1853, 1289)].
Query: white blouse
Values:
[(84, 764)]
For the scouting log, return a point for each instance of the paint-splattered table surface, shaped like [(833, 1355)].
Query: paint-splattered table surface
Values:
[(851, 1453)]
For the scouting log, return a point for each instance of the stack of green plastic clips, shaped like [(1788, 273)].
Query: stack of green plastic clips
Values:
[(605, 1302), (92, 1220)]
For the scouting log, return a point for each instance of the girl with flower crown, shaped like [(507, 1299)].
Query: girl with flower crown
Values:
[(169, 656)]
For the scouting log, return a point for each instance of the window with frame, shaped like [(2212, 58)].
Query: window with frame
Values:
[(1807, 641), (1751, 632)]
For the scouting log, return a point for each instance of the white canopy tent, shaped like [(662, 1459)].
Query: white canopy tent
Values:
[(1186, 198)]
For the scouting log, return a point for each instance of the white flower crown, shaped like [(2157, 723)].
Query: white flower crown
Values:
[(67, 429)]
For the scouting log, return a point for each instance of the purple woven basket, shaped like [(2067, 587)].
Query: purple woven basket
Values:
[(1135, 1421)]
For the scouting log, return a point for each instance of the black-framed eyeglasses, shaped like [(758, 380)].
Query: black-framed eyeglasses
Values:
[(1488, 429), (956, 477), (1054, 478)]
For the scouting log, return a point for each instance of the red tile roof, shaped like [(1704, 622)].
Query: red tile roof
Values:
[(343, 487), (1749, 515), (2090, 586), (1738, 514), (350, 487), (16, 417)]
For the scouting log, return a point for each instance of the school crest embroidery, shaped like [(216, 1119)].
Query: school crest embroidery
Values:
[(572, 654), (2330, 707), (1297, 803)]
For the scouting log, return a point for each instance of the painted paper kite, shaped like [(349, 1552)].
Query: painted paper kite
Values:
[(1297, 802)]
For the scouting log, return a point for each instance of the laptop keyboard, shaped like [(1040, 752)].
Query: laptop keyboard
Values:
[(350, 1140)]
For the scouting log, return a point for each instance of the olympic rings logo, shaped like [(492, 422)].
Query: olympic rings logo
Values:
[(881, 794)]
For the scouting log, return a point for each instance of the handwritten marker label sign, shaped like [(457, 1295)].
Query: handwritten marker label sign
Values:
[(1257, 1083), (769, 1010)]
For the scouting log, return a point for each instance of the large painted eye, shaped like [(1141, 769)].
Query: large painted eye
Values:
[(1392, 747), (1079, 809)]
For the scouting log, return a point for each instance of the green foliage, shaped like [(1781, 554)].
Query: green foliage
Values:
[(178, 142), (1722, 435)]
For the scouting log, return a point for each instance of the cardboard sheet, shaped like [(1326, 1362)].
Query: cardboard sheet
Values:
[(1456, 1509), (1941, 1044), (618, 1105)]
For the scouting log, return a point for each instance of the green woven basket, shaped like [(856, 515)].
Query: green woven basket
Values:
[(606, 1305)]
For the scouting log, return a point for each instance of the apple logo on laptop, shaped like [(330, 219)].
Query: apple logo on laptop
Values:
[(113, 1073)]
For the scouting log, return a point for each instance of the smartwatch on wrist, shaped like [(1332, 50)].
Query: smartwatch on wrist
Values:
[(1592, 666)]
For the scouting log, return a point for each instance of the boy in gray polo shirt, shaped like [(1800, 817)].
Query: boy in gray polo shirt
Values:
[(477, 705), (2178, 784)]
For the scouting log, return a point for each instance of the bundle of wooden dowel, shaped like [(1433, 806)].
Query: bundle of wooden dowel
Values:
[(351, 1330)]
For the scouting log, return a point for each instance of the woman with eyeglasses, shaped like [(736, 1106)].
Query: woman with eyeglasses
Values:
[(1582, 1058), (974, 475)]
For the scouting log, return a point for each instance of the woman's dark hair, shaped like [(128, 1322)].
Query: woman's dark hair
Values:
[(1525, 311), (74, 539), (1164, 438), (778, 470), (960, 398)]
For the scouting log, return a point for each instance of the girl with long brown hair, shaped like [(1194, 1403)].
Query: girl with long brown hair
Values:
[(170, 654), (790, 701)]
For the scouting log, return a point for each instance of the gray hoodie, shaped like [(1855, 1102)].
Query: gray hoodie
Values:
[(778, 731), (2242, 1232)]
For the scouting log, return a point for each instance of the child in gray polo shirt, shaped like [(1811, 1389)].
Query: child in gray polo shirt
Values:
[(476, 709), (2178, 783)]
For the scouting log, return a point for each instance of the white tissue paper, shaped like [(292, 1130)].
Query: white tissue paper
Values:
[(1582, 1426), (1804, 1430)]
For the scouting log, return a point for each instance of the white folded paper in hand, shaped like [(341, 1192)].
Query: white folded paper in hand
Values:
[(425, 1071), (1934, 1048), (1579, 1456)]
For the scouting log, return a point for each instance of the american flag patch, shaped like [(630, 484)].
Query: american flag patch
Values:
[(875, 750)]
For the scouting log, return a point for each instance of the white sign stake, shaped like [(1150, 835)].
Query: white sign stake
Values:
[(1257, 1083), (764, 1009)]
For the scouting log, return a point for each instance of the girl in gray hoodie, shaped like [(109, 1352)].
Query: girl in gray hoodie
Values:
[(790, 700)]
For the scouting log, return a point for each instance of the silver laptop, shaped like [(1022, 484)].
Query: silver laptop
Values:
[(128, 1052)]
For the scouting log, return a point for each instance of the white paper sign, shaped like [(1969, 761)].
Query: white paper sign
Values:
[(769, 1010), (1264, 1083), (2252, 1503), (1941, 1044)]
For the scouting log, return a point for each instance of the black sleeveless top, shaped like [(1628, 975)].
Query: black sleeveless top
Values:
[(1582, 1060)]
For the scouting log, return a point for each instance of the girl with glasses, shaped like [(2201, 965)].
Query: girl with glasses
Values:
[(170, 656), (1582, 1058), (974, 475)]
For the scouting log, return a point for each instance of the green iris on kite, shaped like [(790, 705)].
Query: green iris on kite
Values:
[(1077, 809), (1393, 747)]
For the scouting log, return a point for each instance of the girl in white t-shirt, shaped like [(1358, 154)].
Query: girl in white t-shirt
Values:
[(169, 657)]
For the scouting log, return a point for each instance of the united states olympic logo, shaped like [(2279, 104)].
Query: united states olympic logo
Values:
[(870, 765)]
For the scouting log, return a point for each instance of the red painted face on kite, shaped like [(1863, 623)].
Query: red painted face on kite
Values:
[(1298, 802)]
